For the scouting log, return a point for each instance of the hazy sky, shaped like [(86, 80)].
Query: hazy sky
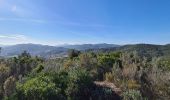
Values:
[(56, 22)]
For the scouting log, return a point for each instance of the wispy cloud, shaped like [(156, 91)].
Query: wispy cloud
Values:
[(62, 22), (17, 8), (21, 37), (12, 39), (28, 12), (79, 24), (23, 20), (14, 8)]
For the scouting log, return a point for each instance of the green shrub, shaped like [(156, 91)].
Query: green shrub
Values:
[(132, 95), (79, 85), (38, 88)]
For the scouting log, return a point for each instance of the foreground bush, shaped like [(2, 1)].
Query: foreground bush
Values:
[(132, 95), (79, 85), (38, 88), (72, 84)]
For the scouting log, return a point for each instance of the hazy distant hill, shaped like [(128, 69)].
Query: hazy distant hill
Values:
[(2, 45), (49, 51), (90, 46), (52, 51), (34, 49)]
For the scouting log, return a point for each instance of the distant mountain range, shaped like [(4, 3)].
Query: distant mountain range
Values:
[(90, 46), (48, 51), (2, 45), (60, 51)]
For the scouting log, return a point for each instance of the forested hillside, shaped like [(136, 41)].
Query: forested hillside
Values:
[(131, 72), (147, 50)]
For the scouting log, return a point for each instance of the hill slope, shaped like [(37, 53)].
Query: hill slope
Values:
[(33, 49), (141, 49), (48, 51), (90, 46)]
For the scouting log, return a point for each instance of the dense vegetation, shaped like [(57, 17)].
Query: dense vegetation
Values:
[(139, 74)]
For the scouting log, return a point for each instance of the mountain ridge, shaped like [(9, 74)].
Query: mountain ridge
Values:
[(59, 51), (44, 50)]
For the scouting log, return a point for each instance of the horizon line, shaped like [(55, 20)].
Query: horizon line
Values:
[(81, 44)]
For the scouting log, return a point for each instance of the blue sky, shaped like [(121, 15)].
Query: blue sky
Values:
[(56, 22)]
